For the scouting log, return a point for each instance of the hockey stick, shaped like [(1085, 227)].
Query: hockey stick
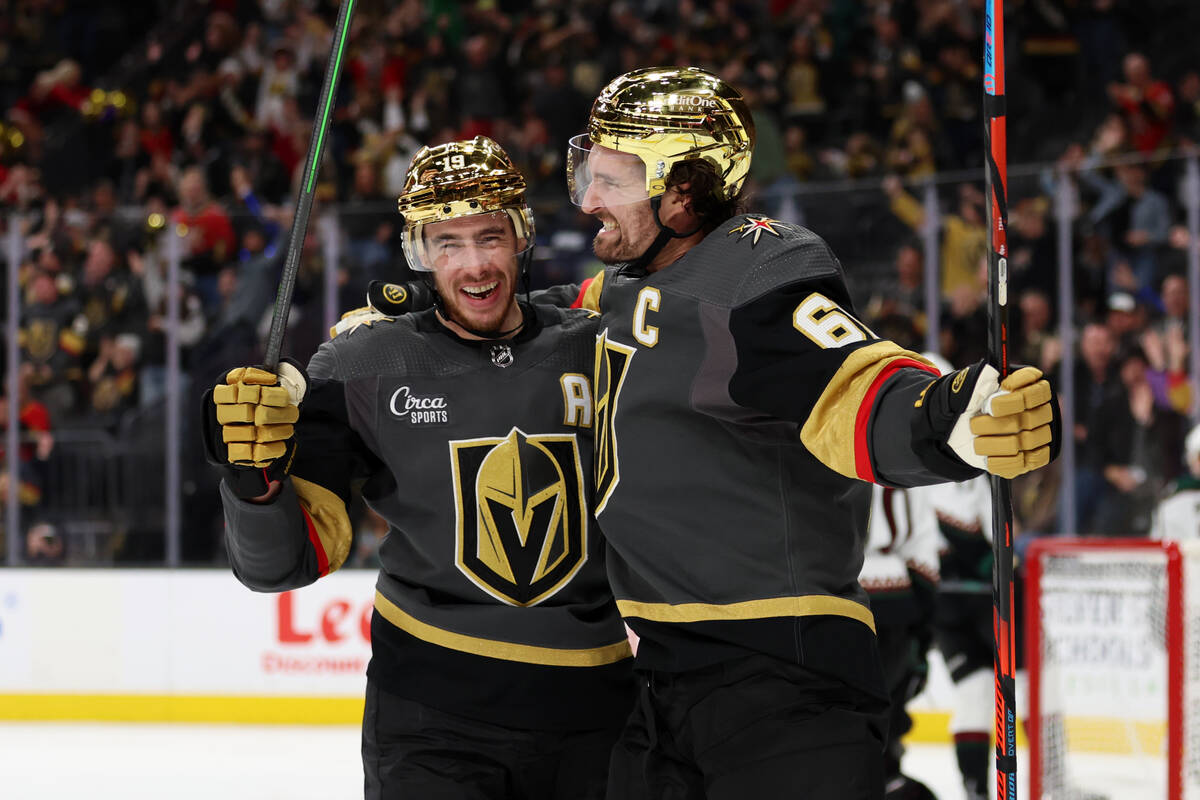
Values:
[(995, 190), (304, 198)]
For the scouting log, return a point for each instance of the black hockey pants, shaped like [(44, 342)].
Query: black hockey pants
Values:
[(413, 751), (752, 729)]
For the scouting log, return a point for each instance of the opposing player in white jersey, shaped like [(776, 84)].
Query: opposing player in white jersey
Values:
[(963, 615), (1178, 516), (900, 574)]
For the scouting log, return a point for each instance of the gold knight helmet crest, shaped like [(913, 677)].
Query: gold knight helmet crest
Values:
[(522, 522)]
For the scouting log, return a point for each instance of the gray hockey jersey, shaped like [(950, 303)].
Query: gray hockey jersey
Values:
[(492, 600), (741, 410)]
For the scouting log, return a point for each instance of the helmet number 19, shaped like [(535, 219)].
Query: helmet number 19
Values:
[(827, 324)]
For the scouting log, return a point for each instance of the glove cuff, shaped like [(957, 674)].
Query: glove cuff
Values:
[(941, 426)]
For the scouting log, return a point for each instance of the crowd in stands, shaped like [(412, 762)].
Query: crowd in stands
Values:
[(122, 121)]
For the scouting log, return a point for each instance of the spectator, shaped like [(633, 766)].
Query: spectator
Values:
[(1167, 356), (1174, 296), (368, 220), (44, 547), (1035, 342), (111, 296), (1098, 390), (964, 237), (209, 236), (1133, 451), (113, 378), (914, 136), (1146, 103), (904, 292), (1126, 319), (36, 445), (1134, 217), (51, 346)]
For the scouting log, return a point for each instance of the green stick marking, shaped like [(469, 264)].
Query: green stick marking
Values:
[(337, 66)]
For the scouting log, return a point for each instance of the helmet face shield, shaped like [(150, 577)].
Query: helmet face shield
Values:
[(496, 238), (601, 177), (473, 181)]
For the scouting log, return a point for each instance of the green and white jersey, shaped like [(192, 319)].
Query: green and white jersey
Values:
[(492, 600)]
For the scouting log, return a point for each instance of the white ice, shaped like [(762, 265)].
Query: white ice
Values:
[(105, 761)]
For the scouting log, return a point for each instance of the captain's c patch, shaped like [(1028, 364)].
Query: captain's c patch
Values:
[(522, 516)]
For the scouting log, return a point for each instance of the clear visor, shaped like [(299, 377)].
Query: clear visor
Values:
[(462, 242), (599, 177)]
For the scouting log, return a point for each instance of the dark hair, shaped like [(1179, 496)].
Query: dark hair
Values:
[(704, 183)]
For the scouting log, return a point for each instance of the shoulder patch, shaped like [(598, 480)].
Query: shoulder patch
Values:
[(747, 257), (754, 228)]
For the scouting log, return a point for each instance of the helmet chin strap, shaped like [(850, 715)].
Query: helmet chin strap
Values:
[(665, 234), (526, 259)]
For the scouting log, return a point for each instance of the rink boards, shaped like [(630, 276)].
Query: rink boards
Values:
[(195, 645)]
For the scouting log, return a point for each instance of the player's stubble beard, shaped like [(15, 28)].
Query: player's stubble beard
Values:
[(633, 232), (501, 314)]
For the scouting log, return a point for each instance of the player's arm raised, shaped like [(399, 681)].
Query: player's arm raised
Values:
[(287, 455)]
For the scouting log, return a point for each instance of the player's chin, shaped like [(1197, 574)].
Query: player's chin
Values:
[(609, 252)]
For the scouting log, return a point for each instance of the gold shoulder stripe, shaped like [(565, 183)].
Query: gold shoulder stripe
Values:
[(591, 295), (508, 651), (805, 606), (830, 431), (329, 518)]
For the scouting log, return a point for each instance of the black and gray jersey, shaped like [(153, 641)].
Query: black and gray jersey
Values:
[(492, 599), (742, 408)]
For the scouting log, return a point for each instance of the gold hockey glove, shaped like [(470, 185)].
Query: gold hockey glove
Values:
[(249, 421), (1011, 428)]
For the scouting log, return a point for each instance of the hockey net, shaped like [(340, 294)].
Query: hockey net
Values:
[(1113, 654)]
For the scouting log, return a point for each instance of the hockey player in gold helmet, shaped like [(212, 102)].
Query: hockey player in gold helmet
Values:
[(733, 486), (649, 132), (499, 668), (467, 225)]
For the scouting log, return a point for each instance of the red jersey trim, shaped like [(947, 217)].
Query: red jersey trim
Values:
[(862, 446)]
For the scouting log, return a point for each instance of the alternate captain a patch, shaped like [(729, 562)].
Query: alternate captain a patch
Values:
[(755, 227), (522, 516)]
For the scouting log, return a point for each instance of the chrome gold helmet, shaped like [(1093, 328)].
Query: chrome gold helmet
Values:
[(664, 115), (461, 179)]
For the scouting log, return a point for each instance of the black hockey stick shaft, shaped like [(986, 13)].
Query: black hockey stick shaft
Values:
[(996, 192), (308, 184)]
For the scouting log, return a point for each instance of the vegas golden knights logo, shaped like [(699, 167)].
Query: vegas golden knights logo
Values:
[(612, 362), (522, 518)]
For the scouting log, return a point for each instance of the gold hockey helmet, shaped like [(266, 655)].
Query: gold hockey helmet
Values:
[(663, 115), (461, 179)]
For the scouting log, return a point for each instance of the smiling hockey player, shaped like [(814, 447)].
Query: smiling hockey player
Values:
[(499, 667)]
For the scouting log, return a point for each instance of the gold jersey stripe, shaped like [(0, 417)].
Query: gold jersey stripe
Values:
[(591, 295), (329, 518), (829, 431), (805, 606), (525, 653)]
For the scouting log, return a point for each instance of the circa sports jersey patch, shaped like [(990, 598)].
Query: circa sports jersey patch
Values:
[(755, 228), (419, 408), (522, 515)]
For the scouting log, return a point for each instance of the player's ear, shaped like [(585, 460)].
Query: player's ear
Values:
[(677, 210)]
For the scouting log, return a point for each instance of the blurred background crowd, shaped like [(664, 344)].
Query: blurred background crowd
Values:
[(127, 123)]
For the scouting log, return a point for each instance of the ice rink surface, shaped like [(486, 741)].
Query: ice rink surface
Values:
[(106, 761)]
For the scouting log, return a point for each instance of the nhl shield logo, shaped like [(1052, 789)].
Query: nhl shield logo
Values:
[(522, 518)]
